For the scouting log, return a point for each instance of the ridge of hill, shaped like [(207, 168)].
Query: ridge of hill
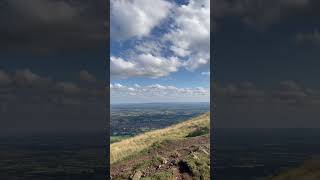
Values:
[(127, 147), (180, 151)]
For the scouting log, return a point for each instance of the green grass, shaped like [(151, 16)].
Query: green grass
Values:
[(130, 146), (154, 161), (199, 132), (114, 139), (199, 165), (160, 176)]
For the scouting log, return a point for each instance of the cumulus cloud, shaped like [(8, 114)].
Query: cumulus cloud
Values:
[(33, 100), (45, 10), (26, 80), (42, 26), (158, 92), (205, 73), (185, 42), (287, 92), (150, 47), (287, 104), (191, 36), (136, 18), (143, 65), (259, 14), (26, 77)]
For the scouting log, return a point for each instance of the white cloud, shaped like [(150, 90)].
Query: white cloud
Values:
[(137, 85), (26, 77), (45, 10), (143, 65), (205, 73), (259, 14), (184, 44), (157, 92), (180, 51), (136, 18), (191, 36), (118, 86), (151, 47)]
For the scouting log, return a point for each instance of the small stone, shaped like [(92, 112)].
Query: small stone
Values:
[(164, 160), (173, 162), (137, 175)]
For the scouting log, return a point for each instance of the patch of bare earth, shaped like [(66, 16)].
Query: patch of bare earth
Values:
[(167, 156)]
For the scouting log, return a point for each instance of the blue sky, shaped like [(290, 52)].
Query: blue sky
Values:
[(160, 54)]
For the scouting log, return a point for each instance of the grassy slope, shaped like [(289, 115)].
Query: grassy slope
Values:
[(131, 146), (310, 170), (114, 139)]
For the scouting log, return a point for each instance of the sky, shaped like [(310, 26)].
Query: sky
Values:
[(159, 54), (266, 57), (53, 65)]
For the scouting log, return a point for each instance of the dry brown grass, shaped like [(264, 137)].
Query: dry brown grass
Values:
[(131, 146)]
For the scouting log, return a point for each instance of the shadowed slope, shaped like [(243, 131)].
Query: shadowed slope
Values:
[(310, 170)]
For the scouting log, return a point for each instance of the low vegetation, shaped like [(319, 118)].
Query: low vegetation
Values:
[(114, 139), (186, 158), (131, 146), (160, 176), (310, 170), (200, 131), (198, 164)]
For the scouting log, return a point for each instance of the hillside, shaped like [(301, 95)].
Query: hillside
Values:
[(179, 151), (310, 170)]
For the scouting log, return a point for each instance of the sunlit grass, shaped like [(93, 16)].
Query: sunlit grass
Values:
[(127, 147)]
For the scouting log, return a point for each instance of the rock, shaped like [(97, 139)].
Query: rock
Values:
[(173, 162), (137, 175), (164, 160), (175, 155)]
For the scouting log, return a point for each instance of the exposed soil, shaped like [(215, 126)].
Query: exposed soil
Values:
[(166, 157)]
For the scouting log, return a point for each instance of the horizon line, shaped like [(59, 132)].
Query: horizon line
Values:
[(159, 102)]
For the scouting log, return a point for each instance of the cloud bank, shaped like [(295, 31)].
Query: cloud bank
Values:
[(49, 104), (136, 18), (157, 93), (286, 105), (42, 26), (163, 39)]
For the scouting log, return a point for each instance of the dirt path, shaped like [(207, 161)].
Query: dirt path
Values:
[(163, 160)]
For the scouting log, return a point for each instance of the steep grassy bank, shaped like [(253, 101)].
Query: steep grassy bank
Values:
[(131, 146), (180, 159)]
